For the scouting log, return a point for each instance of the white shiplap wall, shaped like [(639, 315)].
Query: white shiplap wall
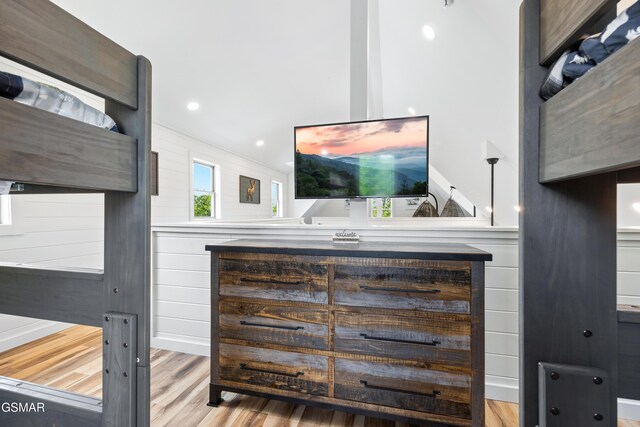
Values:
[(67, 230), (175, 153), (181, 284)]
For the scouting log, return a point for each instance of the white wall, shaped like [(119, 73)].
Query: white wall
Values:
[(67, 230), (181, 286), (628, 194), (175, 151), (466, 80)]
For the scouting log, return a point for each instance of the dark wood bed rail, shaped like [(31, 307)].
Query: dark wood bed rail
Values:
[(592, 126), (43, 148), (69, 295), (42, 36), (563, 22), (85, 412)]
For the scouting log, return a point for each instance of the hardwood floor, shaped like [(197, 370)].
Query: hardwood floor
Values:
[(72, 360)]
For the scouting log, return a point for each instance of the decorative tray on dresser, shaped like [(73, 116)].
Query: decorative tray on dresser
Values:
[(383, 329)]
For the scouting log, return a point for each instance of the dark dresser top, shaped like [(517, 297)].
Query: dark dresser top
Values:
[(426, 251)]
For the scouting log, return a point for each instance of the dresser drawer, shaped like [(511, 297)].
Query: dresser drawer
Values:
[(285, 325), (432, 286), (440, 338), (406, 387), (275, 278), (274, 369)]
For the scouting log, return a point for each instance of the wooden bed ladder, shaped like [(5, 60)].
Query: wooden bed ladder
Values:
[(53, 154)]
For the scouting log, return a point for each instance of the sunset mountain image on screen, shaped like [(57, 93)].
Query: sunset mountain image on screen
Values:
[(386, 158)]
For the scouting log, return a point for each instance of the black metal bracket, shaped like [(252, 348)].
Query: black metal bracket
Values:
[(119, 359), (573, 396)]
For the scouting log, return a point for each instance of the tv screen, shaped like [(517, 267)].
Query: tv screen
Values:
[(375, 158)]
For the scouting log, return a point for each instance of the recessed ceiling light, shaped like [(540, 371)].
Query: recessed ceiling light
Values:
[(429, 32), (193, 106), (517, 208), (488, 208), (260, 143), (636, 206), (412, 111)]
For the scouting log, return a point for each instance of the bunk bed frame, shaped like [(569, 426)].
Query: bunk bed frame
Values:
[(574, 150), (53, 154)]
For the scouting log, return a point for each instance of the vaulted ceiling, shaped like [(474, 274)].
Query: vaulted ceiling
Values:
[(258, 68)]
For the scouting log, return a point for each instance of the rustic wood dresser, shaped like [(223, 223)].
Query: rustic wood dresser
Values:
[(383, 329)]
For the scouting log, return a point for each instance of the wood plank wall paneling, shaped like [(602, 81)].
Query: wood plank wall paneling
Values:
[(563, 21), (181, 296)]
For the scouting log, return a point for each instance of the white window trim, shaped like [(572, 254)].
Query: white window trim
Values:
[(5, 209), (280, 200), (7, 223), (216, 188)]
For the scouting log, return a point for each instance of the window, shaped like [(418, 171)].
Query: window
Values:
[(276, 199), (203, 190), (5, 210), (380, 208)]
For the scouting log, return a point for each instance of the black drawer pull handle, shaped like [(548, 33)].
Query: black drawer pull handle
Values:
[(288, 328), (369, 337), (413, 291), (271, 281), (434, 394), (244, 367)]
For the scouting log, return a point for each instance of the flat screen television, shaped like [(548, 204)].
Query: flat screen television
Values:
[(373, 158)]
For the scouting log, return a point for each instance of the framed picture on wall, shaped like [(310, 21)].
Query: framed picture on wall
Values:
[(411, 204), (249, 190)]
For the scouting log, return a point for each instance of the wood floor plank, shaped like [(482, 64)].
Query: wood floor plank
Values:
[(72, 360), (315, 417), (278, 413)]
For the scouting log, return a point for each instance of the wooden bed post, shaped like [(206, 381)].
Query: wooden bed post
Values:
[(567, 272), (127, 264)]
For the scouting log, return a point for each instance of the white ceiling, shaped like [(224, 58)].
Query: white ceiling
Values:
[(256, 67)]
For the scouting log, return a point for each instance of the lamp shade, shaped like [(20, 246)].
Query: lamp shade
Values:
[(453, 209), (426, 210)]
